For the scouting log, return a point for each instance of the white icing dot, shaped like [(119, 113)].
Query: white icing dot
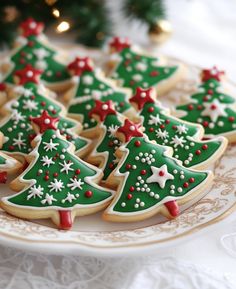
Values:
[(64, 150), (40, 171), (53, 136), (187, 147), (143, 190), (140, 154), (123, 204), (172, 192), (220, 123), (137, 184), (142, 182), (145, 185), (143, 94), (211, 125), (138, 189), (181, 172), (175, 171), (186, 162), (134, 167), (192, 144), (77, 195), (180, 190), (153, 151), (105, 107), (146, 154), (136, 158), (142, 204), (172, 187), (148, 190), (176, 156), (139, 178), (191, 155), (136, 206), (138, 200), (143, 160), (29, 73), (51, 107), (88, 107), (153, 160), (62, 157), (151, 194), (47, 121), (9, 129), (156, 196), (182, 176), (132, 127), (32, 25), (23, 125)]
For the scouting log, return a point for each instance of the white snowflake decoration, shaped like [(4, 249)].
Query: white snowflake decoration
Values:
[(47, 161), (155, 120), (19, 141), (112, 130), (75, 184), (17, 116), (181, 129), (50, 146), (30, 105), (162, 134), (178, 141), (56, 185), (48, 199), (35, 192), (69, 198), (66, 167)]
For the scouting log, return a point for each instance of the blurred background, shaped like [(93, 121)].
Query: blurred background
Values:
[(202, 32)]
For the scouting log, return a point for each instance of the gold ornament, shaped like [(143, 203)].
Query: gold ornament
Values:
[(160, 31)]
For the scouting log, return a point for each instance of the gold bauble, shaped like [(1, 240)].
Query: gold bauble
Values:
[(160, 31)]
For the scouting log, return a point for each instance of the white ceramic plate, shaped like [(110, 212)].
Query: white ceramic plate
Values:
[(92, 236)]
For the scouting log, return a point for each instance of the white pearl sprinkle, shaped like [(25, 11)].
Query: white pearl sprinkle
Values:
[(142, 204), (156, 196), (151, 194), (132, 127), (143, 94), (175, 171), (62, 157), (172, 192), (180, 190), (105, 107), (172, 187), (47, 121), (123, 204), (29, 73)]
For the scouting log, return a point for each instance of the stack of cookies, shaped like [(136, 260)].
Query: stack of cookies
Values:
[(79, 140)]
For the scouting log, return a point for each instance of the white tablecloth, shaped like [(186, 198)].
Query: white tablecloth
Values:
[(204, 34)]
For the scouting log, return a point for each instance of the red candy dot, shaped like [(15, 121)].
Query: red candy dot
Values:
[(58, 74), (185, 185), (205, 147), (162, 126), (151, 109), (47, 172), (167, 121), (32, 97), (11, 148), (111, 165), (151, 129), (43, 103), (121, 104), (129, 196), (161, 173), (88, 194), (55, 175), (210, 91), (143, 172), (137, 143), (191, 180), (77, 171), (205, 123), (190, 107), (154, 73), (128, 166), (46, 178), (131, 189), (199, 107), (205, 98), (174, 126), (213, 107), (231, 119), (198, 152), (110, 144)]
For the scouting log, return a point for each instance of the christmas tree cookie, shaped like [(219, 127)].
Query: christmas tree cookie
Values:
[(103, 154), (8, 165), (149, 180), (57, 184), (30, 98), (132, 69), (183, 137), (211, 107), (34, 49), (90, 85)]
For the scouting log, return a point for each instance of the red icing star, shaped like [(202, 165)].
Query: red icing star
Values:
[(31, 27), (118, 44), (130, 129), (28, 74), (79, 65), (213, 73), (102, 109), (45, 121), (142, 96)]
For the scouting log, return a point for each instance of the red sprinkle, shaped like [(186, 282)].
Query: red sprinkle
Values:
[(88, 194), (190, 107), (110, 144), (167, 121), (43, 103), (210, 91), (162, 126), (198, 152), (77, 171), (55, 175), (131, 189), (161, 173), (129, 196), (231, 118), (11, 148), (151, 109), (143, 172), (111, 165), (191, 180), (128, 166), (154, 73), (174, 126), (205, 123), (205, 147), (185, 185), (151, 129), (199, 107), (137, 143), (46, 178)]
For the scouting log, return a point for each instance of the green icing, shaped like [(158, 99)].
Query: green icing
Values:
[(223, 120), (147, 194), (135, 70), (18, 129), (67, 194), (28, 54), (177, 134), (90, 88), (109, 143), (2, 160)]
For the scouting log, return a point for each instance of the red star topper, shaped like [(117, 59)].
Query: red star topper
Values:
[(130, 129), (45, 121), (31, 27), (118, 44), (212, 73), (79, 65), (142, 96), (28, 74), (102, 109)]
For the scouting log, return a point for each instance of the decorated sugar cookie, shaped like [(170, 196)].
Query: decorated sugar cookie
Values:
[(183, 137), (103, 155), (90, 86), (211, 107), (149, 180), (134, 69), (29, 101), (34, 49), (8, 165), (56, 184)]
